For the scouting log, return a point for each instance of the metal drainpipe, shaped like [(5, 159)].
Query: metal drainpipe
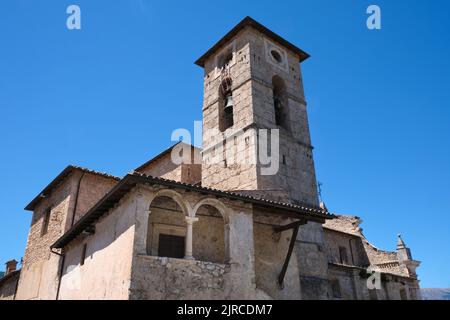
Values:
[(60, 271), (63, 256)]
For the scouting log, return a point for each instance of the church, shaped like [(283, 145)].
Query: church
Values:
[(222, 223)]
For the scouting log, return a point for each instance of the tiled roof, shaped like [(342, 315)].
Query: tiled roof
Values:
[(10, 275), (241, 196), (60, 178), (135, 178)]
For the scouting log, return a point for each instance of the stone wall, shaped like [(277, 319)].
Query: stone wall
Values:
[(238, 239), (364, 258), (354, 248), (160, 278), (92, 189), (164, 167), (253, 108), (38, 279), (312, 261)]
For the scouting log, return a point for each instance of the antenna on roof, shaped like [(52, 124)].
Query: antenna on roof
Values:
[(319, 190)]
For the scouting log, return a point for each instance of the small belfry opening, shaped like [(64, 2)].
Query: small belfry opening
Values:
[(280, 102), (226, 105), (210, 235), (166, 234)]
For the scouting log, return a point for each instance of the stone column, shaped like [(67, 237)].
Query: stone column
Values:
[(188, 247)]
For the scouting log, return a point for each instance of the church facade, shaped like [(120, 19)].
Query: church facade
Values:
[(221, 224)]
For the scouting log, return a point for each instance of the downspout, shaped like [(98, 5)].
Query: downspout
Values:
[(60, 271), (61, 255)]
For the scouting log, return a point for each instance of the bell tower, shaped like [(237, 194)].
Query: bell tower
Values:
[(252, 90)]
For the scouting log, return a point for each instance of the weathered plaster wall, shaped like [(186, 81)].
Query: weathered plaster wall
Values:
[(312, 261), (270, 253), (209, 236), (107, 266)]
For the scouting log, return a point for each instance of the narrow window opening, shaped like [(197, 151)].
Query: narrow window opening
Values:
[(46, 221), (83, 254), (226, 105), (343, 255), (336, 289), (403, 295), (225, 59), (280, 102), (276, 56)]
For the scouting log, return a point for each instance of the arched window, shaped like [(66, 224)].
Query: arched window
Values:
[(225, 105), (166, 229), (211, 236), (280, 102)]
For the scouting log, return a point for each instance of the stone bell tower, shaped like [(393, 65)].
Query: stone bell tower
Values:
[(252, 82)]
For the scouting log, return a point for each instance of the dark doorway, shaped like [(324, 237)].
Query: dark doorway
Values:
[(171, 246)]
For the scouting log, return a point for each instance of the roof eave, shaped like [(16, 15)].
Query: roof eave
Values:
[(131, 180), (250, 22), (59, 179)]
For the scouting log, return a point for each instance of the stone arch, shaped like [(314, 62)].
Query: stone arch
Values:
[(211, 240), (166, 224), (213, 202), (175, 196)]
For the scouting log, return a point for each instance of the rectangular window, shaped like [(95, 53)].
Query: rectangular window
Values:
[(403, 295), (83, 254), (46, 221), (343, 255), (336, 289), (373, 294), (171, 246)]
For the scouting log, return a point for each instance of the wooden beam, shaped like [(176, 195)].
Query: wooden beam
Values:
[(288, 255), (292, 225)]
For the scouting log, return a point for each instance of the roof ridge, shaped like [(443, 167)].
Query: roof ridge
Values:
[(105, 174), (60, 177)]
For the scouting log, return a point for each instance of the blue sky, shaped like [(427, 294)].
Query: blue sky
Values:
[(108, 97)]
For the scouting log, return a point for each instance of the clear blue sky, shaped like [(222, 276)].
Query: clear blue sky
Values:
[(108, 97)]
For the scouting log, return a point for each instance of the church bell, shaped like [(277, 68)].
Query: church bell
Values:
[(229, 103)]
